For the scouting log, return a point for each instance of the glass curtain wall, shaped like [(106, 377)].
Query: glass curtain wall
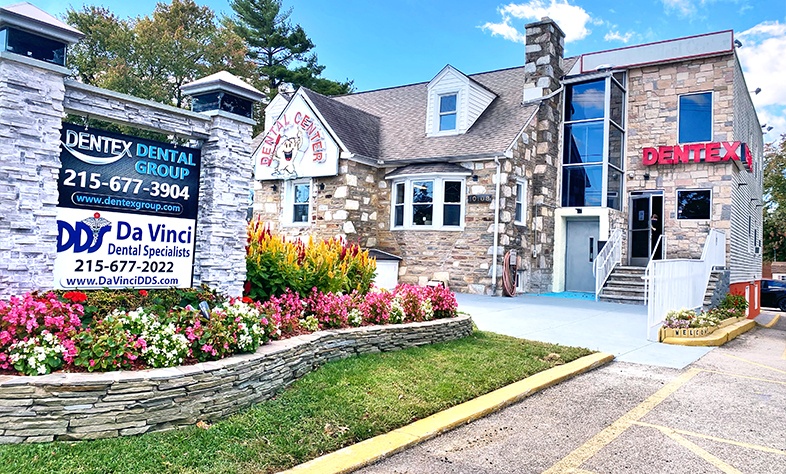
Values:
[(593, 152)]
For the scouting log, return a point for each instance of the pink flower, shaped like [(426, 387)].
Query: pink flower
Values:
[(92, 363)]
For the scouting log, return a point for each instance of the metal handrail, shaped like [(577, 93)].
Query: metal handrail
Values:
[(647, 271), (607, 259)]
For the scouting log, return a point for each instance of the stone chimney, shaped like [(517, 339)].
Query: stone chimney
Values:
[(543, 63)]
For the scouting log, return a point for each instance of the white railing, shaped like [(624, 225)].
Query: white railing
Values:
[(607, 259), (680, 283)]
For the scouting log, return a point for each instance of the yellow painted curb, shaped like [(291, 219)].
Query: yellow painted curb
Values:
[(772, 322), (371, 450), (717, 338)]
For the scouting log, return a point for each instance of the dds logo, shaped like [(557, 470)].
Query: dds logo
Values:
[(87, 234)]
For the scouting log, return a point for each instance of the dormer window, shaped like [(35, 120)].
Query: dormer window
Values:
[(447, 112), (455, 101)]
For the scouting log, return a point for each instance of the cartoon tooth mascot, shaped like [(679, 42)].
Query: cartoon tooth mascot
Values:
[(288, 152)]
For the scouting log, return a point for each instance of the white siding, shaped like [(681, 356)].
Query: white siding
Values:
[(471, 100), (479, 99), (744, 261)]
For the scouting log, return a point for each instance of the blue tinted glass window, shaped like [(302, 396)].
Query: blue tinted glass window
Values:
[(696, 118), (582, 186), (586, 101), (585, 143)]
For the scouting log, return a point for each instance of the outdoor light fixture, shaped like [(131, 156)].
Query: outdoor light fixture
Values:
[(321, 186), (738, 43), (764, 125), (756, 91), (769, 128), (274, 188), (475, 178)]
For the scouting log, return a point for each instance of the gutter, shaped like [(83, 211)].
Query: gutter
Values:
[(495, 251)]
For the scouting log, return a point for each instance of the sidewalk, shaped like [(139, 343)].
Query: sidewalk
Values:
[(617, 329)]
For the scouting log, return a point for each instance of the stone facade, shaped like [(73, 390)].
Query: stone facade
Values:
[(653, 96), (224, 187), (31, 111), (78, 406)]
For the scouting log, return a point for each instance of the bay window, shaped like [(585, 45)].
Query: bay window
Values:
[(428, 203)]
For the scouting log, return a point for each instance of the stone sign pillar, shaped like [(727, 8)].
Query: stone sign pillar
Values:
[(31, 113), (225, 184)]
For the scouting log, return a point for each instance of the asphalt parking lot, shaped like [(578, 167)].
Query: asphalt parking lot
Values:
[(725, 413)]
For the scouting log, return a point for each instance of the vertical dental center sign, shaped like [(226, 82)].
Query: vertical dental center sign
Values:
[(127, 211)]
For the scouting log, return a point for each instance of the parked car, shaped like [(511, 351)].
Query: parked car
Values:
[(773, 294)]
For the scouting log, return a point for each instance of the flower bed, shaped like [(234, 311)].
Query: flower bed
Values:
[(75, 406), (40, 333), (688, 323)]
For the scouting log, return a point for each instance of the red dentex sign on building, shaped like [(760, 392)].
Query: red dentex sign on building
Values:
[(710, 152)]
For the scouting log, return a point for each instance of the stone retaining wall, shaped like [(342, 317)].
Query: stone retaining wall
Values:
[(76, 406)]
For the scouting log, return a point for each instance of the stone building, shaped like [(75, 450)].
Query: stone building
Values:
[(534, 167)]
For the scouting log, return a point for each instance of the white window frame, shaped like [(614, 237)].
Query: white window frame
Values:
[(677, 203), (712, 114), (289, 202), (521, 220), (438, 204), (439, 113)]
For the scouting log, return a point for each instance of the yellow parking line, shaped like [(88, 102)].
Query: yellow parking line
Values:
[(580, 471), (732, 374), (586, 451), (714, 438), (701, 452), (756, 363)]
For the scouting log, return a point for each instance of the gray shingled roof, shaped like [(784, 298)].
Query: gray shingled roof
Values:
[(358, 130), (402, 113), (428, 168)]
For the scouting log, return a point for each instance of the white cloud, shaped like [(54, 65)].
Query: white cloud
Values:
[(764, 65), (572, 19), (682, 7), (614, 35)]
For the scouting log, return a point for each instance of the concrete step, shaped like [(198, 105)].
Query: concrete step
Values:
[(622, 299)]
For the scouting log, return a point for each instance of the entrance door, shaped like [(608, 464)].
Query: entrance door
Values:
[(646, 225), (580, 253)]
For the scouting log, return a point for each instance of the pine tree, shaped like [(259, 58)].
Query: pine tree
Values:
[(281, 51)]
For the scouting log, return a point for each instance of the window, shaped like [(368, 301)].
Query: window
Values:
[(33, 46), (694, 203), (423, 203), (447, 112), (431, 203), (398, 205), (297, 202), (593, 151), (695, 118), (521, 202)]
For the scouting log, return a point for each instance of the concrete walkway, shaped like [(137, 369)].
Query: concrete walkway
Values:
[(607, 327)]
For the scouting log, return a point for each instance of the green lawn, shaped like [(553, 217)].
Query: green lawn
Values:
[(339, 404)]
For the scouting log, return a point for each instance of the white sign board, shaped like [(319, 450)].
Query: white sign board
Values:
[(119, 250), (296, 146)]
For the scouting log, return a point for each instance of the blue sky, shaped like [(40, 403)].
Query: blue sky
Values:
[(384, 43)]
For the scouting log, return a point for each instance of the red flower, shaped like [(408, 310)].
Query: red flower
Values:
[(247, 300), (75, 296), (247, 287), (143, 292)]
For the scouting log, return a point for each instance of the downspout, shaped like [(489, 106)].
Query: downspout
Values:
[(495, 251)]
